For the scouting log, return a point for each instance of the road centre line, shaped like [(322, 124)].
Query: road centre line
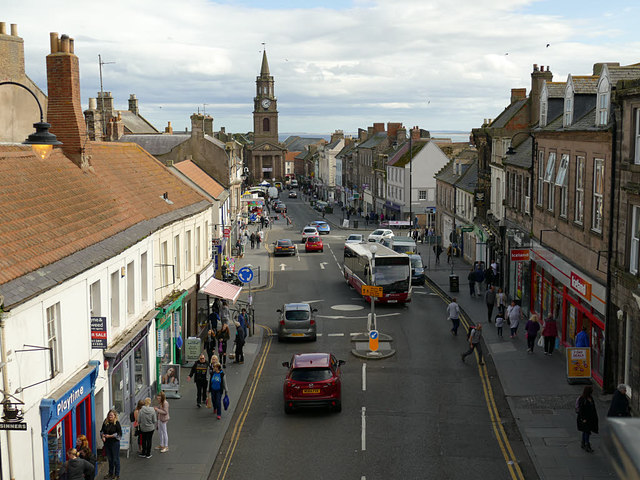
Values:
[(364, 377), (363, 439)]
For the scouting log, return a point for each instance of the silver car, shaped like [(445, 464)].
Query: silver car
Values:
[(297, 320)]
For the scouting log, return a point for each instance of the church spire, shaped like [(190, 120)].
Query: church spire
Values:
[(265, 65)]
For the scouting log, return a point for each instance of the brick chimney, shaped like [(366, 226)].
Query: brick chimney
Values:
[(208, 125), (197, 125), (11, 53), (378, 127), (133, 104), (538, 76), (168, 129), (392, 129), (518, 94), (115, 128), (64, 111), (415, 133)]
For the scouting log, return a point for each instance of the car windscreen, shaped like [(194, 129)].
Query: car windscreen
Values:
[(416, 262), (378, 232), (297, 315), (313, 239), (310, 374), (285, 243)]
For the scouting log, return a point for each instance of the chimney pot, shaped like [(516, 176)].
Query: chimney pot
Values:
[(14, 30), (53, 40), (71, 45), (64, 43), (93, 104), (3, 28), (535, 67)]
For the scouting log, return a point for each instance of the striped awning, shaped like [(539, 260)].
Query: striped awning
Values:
[(220, 289)]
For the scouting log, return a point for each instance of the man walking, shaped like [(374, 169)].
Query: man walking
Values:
[(200, 369), (472, 282), (438, 251), (490, 299), (453, 313), (475, 336)]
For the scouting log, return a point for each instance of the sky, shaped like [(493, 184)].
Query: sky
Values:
[(441, 65)]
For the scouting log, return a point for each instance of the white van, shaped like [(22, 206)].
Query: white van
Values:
[(294, 183), (401, 244)]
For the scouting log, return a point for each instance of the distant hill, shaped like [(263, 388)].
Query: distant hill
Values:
[(455, 136)]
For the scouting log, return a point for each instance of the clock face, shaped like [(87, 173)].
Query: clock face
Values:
[(266, 103)]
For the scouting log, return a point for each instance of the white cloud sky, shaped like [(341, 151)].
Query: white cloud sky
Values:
[(440, 65)]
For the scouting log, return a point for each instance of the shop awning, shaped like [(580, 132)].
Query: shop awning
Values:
[(220, 289)]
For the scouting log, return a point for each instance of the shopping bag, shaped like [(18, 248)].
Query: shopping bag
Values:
[(225, 401), (208, 401), (541, 341)]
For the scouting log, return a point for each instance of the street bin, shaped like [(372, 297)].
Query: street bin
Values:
[(454, 283), (355, 224)]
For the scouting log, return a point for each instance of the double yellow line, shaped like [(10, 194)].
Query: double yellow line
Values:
[(503, 441), (244, 411)]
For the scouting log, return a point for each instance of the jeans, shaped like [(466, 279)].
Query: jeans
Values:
[(164, 436), (549, 344), (112, 450), (239, 352), (202, 391), (216, 400), (531, 341), (489, 311), (456, 325), (585, 438), (146, 442)]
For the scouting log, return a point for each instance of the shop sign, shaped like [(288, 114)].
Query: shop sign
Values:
[(98, 333), (578, 363), (193, 349), (226, 232), (581, 286), (520, 255), (130, 345), (13, 426), (160, 343)]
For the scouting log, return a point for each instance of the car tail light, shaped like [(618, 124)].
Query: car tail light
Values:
[(281, 322), (313, 322)]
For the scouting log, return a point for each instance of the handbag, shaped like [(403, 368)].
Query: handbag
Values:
[(541, 341), (225, 401)]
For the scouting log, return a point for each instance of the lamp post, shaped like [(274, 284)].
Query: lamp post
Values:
[(372, 322), (42, 141), (410, 179)]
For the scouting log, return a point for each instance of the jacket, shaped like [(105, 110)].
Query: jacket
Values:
[(77, 468), (532, 328), (110, 429), (550, 328), (163, 412), (490, 297), (619, 405), (147, 419), (199, 369), (587, 420), (582, 339)]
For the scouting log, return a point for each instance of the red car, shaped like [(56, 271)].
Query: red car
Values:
[(313, 380), (313, 244)]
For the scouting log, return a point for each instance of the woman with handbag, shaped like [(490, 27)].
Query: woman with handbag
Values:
[(222, 336), (136, 425), (549, 333), (532, 328)]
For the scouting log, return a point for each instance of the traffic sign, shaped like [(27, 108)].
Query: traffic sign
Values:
[(245, 274), (372, 291), (373, 340)]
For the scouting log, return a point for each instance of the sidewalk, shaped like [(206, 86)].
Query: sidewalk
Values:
[(535, 386)]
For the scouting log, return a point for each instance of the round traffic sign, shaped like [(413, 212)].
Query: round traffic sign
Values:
[(245, 274), (373, 340)]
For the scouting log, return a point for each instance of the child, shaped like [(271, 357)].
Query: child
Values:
[(500, 321)]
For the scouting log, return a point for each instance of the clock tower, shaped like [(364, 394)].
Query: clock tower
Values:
[(267, 154)]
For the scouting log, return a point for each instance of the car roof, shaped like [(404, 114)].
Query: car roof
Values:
[(311, 228), (297, 306), (310, 360), (285, 240)]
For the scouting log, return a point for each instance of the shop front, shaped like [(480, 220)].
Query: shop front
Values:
[(69, 412), (169, 342), (573, 299), (128, 371)]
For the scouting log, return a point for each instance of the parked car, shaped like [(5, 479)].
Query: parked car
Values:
[(293, 194), (417, 270), (284, 246), (280, 207), (400, 244), (297, 320), (313, 380), (379, 234), (313, 244), (321, 226), (309, 232)]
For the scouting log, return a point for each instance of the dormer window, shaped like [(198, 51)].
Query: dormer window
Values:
[(544, 102), (568, 107), (602, 114)]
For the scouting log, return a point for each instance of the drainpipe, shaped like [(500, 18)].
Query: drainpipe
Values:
[(5, 381)]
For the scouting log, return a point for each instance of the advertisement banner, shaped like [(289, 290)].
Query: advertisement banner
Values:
[(578, 364), (170, 377), (98, 333)]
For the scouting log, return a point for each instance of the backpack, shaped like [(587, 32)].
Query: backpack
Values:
[(216, 381), (132, 416)]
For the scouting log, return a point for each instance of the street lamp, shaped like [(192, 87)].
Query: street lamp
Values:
[(42, 141), (372, 323)]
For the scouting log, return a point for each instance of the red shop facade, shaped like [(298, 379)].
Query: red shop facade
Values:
[(573, 299)]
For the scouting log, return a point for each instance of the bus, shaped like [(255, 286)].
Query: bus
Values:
[(392, 271)]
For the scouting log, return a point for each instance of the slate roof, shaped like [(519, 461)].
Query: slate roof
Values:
[(447, 174), (135, 123), (623, 73), (332, 144), (587, 122), (522, 156), (53, 210), (556, 89), (346, 150), (585, 85), (374, 141), (157, 144), (200, 178), (508, 114), (469, 178), (297, 144)]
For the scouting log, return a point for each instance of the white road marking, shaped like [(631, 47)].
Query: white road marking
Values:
[(364, 429), (322, 264), (335, 334), (282, 266), (364, 377), (339, 317)]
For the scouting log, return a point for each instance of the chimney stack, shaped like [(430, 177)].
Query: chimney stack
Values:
[(208, 125), (115, 128), (518, 94), (197, 125), (133, 104), (12, 56), (168, 129), (538, 77), (64, 111)]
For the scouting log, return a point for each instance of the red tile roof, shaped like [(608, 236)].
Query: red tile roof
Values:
[(200, 178), (51, 208)]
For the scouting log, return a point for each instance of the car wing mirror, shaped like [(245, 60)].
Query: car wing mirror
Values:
[(279, 311), (341, 362), (285, 364)]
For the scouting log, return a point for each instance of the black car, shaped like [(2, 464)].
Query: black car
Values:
[(417, 270), (284, 246)]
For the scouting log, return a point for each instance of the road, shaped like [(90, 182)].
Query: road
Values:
[(420, 414)]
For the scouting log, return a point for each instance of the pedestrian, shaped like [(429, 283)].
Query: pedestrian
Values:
[(111, 433), (136, 425), (453, 314), (252, 240), (244, 321), (239, 342), (148, 420), (225, 315), (587, 420), (210, 343), (488, 277), (259, 237), (438, 251), (223, 336), (217, 386), (472, 280), (475, 336), (84, 452), (490, 300), (532, 327), (619, 403), (501, 301), (76, 468), (582, 339), (199, 370), (514, 315), (479, 277), (499, 322), (163, 418), (549, 332)]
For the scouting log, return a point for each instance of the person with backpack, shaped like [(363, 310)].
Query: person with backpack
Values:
[(217, 386), (587, 420), (76, 468), (475, 337), (199, 370)]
